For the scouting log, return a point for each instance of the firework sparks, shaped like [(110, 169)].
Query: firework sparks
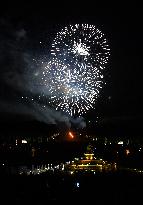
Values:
[(81, 43), (72, 89), (72, 79)]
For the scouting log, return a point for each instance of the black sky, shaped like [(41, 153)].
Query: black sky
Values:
[(122, 96)]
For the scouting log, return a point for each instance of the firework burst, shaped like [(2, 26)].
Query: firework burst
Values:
[(72, 79), (81, 44), (72, 88)]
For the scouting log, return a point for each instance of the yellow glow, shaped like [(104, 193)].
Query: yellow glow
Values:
[(89, 156), (87, 165)]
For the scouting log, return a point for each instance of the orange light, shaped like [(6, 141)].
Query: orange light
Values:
[(71, 135), (127, 151)]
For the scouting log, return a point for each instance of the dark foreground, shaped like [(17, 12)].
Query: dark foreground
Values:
[(116, 188)]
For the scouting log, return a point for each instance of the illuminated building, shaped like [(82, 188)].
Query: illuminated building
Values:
[(90, 163)]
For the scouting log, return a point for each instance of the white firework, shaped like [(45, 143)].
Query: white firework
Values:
[(72, 79), (73, 89), (81, 43), (80, 53)]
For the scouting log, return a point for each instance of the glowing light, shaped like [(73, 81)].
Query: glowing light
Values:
[(71, 135), (89, 156), (121, 142), (24, 141)]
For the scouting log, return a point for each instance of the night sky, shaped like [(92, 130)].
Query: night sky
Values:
[(23, 27)]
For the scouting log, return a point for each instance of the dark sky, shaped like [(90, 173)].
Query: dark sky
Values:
[(122, 96)]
